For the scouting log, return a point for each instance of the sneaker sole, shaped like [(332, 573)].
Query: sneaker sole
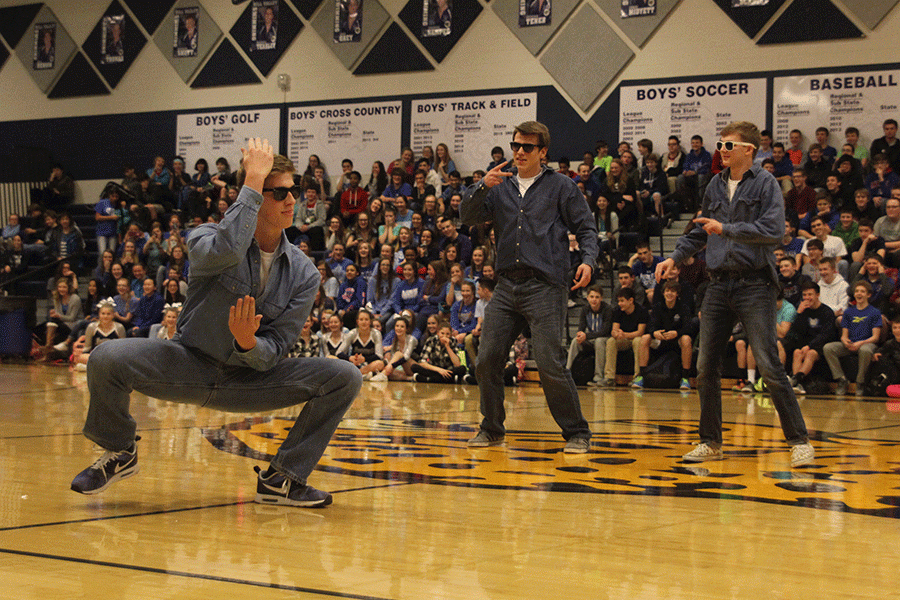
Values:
[(575, 450), (698, 459), (283, 501), (485, 444), (117, 477)]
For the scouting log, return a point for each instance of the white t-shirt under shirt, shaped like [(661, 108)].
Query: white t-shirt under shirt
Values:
[(265, 265), (524, 184), (732, 187)]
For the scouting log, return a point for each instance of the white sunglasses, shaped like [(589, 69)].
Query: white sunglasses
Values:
[(729, 145)]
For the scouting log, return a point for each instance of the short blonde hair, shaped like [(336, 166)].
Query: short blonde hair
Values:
[(748, 131), (280, 164)]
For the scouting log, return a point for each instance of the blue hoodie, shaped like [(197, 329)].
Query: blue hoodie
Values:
[(352, 294), (408, 295)]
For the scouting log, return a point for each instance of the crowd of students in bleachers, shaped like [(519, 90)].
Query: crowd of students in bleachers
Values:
[(404, 281)]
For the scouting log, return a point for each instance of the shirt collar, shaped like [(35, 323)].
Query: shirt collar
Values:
[(279, 250), (751, 172)]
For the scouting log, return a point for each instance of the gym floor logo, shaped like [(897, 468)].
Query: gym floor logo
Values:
[(627, 456)]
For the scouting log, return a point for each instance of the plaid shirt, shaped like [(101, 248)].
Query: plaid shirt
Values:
[(306, 350), (435, 354)]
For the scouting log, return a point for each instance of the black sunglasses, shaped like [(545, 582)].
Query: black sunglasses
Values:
[(280, 193), (528, 148)]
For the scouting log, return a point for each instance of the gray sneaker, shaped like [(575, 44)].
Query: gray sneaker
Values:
[(841, 386), (703, 452), (799, 389), (484, 439), (577, 445), (802, 454)]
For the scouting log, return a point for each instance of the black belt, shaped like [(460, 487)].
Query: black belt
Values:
[(727, 275), (520, 274)]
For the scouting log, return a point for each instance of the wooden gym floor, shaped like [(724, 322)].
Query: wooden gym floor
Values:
[(417, 515)]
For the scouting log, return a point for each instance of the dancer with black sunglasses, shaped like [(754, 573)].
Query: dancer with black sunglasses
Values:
[(533, 209), (226, 353)]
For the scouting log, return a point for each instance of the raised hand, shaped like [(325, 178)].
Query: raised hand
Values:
[(257, 163), (496, 175)]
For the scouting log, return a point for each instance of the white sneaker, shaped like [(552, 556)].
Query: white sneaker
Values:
[(703, 452), (61, 347), (802, 454), (379, 377), (367, 376), (80, 367)]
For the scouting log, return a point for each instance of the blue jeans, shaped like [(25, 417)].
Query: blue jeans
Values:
[(751, 300), (543, 307), (171, 371)]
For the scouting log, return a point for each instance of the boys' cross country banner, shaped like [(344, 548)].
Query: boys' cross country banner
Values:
[(362, 132)]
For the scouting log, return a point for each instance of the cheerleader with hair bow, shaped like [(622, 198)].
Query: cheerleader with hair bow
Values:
[(105, 328)]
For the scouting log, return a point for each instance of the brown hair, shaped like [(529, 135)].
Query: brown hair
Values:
[(534, 128), (280, 164), (748, 131)]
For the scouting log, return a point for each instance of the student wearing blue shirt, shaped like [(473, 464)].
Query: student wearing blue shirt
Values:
[(697, 166), (742, 221), (643, 267), (244, 273), (106, 216), (407, 293), (380, 291), (149, 310), (455, 186), (462, 313), (829, 153), (338, 262), (397, 187), (860, 332), (351, 295), (532, 210), (784, 168)]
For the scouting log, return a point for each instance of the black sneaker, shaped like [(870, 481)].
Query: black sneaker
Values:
[(273, 487), (469, 379), (108, 469)]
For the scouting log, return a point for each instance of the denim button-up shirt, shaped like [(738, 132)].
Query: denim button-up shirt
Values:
[(752, 224), (533, 231), (225, 265)]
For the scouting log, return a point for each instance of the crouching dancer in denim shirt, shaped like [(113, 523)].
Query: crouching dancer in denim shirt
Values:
[(741, 224), (250, 293), (533, 209)]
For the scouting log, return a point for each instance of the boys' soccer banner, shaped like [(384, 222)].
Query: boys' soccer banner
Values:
[(703, 108)]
